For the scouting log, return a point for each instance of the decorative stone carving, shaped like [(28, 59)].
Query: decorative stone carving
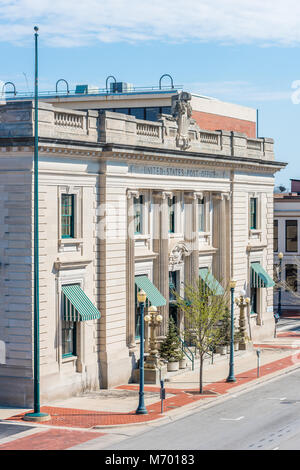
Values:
[(222, 196), (178, 252), (132, 193), (182, 112)]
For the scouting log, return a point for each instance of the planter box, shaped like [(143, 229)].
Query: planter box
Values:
[(182, 364), (172, 366)]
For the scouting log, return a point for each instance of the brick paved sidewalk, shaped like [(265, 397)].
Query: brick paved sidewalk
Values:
[(81, 422), (78, 418)]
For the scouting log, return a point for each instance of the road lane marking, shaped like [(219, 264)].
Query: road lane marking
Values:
[(232, 419), (276, 398)]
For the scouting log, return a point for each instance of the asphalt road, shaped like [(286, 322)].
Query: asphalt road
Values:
[(266, 417)]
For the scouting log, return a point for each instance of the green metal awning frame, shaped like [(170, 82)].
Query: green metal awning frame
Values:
[(259, 277), (211, 282), (153, 294), (78, 307)]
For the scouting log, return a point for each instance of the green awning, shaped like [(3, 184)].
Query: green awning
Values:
[(153, 294), (77, 305), (259, 277), (211, 282)]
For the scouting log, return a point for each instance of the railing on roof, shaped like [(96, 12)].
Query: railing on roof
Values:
[(90, 91)]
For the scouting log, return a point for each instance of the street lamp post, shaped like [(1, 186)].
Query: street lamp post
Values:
[(153, 319), (141, 409), (36, 415), (242, 302), (231, 377), (280, 256)]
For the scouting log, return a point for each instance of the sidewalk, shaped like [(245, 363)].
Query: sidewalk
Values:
[(96, 413)]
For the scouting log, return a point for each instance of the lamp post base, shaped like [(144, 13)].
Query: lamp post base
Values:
[(231, 379), (37, 417), (141, 411)]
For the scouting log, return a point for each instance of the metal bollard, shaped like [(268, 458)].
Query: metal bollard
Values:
[(258, 358), (162, 395)]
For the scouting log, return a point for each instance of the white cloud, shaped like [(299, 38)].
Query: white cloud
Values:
[(71, 22), (240, 91)]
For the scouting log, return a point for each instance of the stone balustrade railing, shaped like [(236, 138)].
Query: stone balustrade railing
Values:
[(68, 120), (17, 119), (210, 138), (254, 144), (148, 130)]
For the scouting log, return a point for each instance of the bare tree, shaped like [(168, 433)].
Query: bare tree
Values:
[(204, 308)]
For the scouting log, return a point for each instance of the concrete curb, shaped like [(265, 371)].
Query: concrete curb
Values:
[(185, 410)]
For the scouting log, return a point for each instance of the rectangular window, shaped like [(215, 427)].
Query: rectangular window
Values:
[(138, 314), (291, 235), (201, 215), (165, 110), (276, 268), (172, 203), (253, 300), (253, 213), (121, 110), (138, 214), (139, 113), (68, 338), (67, 215), (275, 235), (291, 276), (173, 284), (152, 114)]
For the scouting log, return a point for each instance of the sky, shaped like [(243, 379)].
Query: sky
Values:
[(241, 51)]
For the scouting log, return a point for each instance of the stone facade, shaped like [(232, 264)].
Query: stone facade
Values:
[(287, 242), (106, 162)]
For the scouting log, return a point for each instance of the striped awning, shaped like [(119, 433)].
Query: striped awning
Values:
[(211, 282), (77, 305), (153, 294), (259, 277)]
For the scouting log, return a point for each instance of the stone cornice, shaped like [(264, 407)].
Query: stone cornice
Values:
[(126, 152), (62, 265)]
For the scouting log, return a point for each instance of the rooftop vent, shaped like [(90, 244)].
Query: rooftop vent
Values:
[(85, 89), (121, 87)]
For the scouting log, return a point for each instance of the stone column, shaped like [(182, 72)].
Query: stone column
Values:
[(191, 236), (221, 237), (130, 284), (161, 246)]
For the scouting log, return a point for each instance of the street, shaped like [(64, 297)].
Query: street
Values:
[(264, 418)]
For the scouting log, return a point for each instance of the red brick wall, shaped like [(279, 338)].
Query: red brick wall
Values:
[(295, 186), (214, 122)]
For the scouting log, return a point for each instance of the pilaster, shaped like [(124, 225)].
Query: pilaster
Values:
[(221, 236), (161, 246), (131, 194)]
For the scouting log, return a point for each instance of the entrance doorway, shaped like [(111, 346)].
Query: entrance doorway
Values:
[(173, 286)]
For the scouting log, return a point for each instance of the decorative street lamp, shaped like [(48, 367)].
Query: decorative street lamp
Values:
[(153, 319), (36, 415), (242, 302), (231, 377), (280, 256), (141, 409)]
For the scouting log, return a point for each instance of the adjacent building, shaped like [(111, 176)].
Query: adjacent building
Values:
[(286, 241), (124, 203)]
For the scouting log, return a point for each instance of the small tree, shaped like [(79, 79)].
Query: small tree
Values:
[(170, 347), (204, 308), (225, 328)]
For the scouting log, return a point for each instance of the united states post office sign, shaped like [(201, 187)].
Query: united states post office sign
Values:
[(177, 171)]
